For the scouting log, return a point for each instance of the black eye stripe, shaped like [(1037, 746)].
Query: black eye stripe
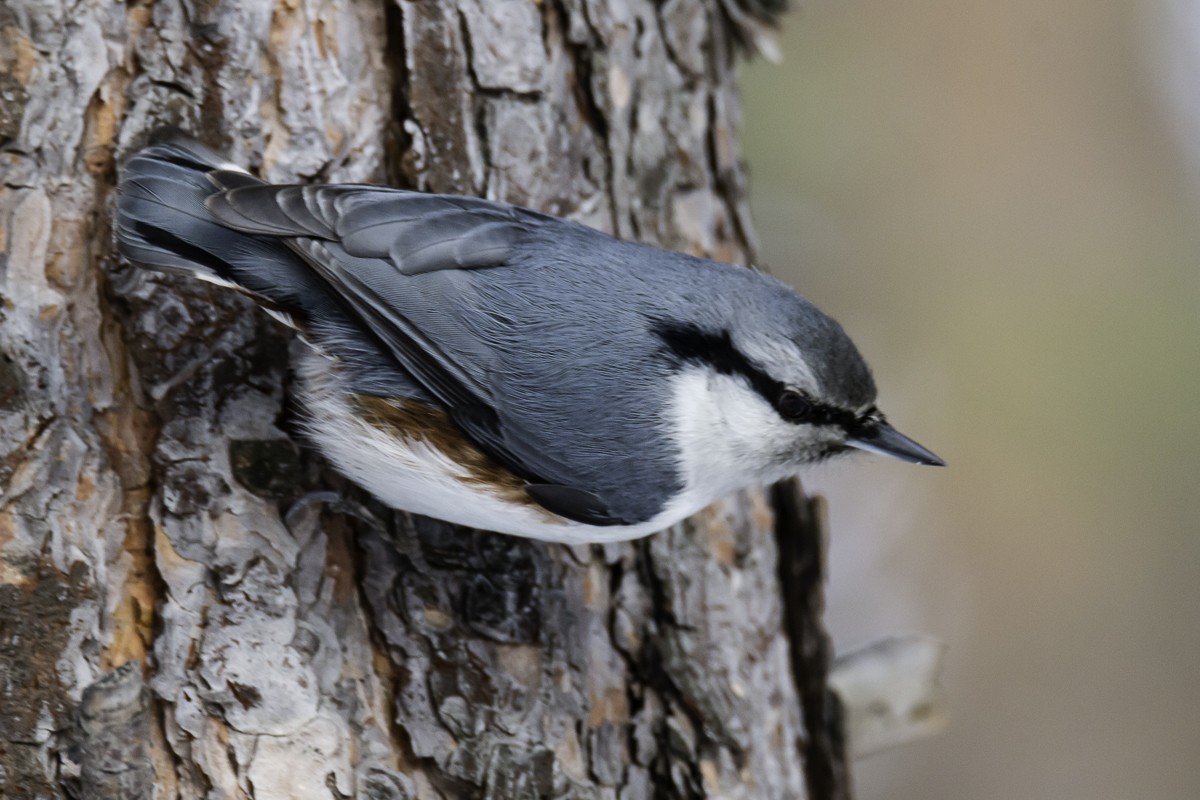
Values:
[(688, 343), (815, 413)]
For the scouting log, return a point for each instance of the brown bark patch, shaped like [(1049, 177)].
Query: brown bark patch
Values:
[(35, 630)]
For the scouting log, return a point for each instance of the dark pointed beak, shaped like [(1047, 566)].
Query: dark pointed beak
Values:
[(884, 439)]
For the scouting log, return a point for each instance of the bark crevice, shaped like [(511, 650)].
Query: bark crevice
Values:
[(801, 537)]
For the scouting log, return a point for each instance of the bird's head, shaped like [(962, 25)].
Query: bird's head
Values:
[(772, 390)]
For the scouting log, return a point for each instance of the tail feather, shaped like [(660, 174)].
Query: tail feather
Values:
[(162, 223)]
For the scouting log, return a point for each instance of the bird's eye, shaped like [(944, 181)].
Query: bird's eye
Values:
[(793, 406)]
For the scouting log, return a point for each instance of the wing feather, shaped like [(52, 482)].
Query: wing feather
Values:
[(401, 262)]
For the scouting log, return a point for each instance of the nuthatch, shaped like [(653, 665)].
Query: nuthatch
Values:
[(508, 370)]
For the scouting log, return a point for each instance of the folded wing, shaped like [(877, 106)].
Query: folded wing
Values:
[(402, 262)]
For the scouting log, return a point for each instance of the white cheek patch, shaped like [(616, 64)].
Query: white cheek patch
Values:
[(728, 435)]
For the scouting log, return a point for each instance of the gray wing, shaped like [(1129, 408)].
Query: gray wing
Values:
[(416, 232), (403, 263), (162, 223)]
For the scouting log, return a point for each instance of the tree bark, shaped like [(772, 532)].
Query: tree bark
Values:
[(283, 634)]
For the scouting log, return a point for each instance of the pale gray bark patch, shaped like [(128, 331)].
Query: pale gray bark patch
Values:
[(504, 38), (109, 750), (148, 462), (891, 692)]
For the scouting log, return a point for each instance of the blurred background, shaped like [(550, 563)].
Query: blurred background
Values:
[(1000, 202)]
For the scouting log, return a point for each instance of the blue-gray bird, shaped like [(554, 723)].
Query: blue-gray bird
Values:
[(508, 370)]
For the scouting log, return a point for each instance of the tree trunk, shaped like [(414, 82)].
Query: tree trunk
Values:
[(285, 635)]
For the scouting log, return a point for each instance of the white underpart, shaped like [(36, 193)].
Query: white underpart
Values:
[(724, 431)]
